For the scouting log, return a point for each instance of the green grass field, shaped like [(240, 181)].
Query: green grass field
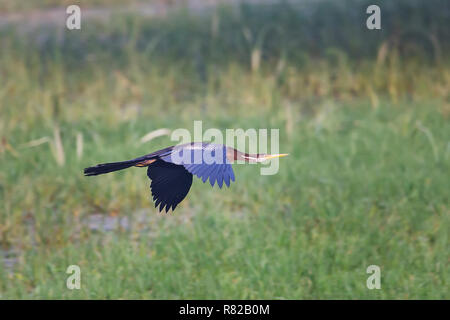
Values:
[(366, 182)]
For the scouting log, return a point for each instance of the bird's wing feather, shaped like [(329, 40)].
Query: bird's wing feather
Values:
[(170, 184)]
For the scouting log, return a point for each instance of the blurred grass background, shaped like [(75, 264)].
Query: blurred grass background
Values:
[(364, 115)]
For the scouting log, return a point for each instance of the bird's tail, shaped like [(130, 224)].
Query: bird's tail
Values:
[(110, 167)]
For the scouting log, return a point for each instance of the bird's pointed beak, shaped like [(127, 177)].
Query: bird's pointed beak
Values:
[(272, 156)]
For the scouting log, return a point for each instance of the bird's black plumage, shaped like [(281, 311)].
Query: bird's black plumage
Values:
[(171, 176), (170, 184)]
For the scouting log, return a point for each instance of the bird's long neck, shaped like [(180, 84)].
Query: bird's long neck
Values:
[(235, 155)]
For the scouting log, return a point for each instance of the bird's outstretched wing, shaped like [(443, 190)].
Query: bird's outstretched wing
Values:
[(206, 161), (170, 184), (215, 172)]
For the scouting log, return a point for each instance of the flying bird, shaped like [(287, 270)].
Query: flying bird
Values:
[(170, 169)]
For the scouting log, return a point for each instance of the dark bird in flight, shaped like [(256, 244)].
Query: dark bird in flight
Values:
[(171, 169)]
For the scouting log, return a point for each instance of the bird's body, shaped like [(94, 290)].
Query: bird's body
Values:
[(171, 169)]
